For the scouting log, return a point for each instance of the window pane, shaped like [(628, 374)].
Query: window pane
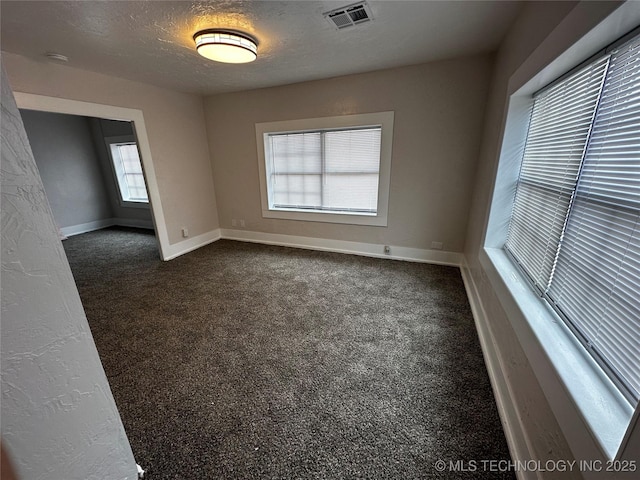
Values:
[(353, 150), (356, 192), (536, 225), (330, 170), (297, 153), (130, 159), (297, 191)]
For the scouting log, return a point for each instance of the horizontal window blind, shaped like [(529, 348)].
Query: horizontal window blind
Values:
[(597, 279), (575, 227), (558, 132), (328, 170)]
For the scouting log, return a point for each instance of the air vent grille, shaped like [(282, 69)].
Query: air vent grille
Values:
[(349, 16)]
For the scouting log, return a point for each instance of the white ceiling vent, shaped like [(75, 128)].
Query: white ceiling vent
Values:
[(348, 16)]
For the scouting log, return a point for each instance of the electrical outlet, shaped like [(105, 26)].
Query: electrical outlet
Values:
[(185, 232), (234, 222), (387, 249), (436, 245), (241, 223)]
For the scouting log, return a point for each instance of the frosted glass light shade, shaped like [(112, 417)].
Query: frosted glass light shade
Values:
[(225, 46)]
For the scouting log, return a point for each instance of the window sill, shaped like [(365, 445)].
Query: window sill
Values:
[(311, 216), (132, 204), (604, 411)]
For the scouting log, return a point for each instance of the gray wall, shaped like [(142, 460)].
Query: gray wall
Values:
[(66, 158), (58, 416), (75, 168)]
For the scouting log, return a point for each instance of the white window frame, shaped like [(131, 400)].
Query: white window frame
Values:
[(595, 417), (383, 119), (128, 139)]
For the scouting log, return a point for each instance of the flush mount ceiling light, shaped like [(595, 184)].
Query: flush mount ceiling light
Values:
[(226, 46)]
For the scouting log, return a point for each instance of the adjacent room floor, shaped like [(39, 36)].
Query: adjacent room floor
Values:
[(241, 360)]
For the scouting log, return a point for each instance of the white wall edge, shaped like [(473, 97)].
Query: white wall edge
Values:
[(342, 246), (515, 431), (87, 227), (107, 222), (190, 244)]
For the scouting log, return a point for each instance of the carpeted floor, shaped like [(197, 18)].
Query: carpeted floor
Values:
[(244, 361)]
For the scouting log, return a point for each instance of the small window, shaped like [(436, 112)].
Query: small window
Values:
[(333, 169), (128, 170)]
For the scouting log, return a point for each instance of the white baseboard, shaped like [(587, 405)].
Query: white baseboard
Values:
[(128, 222), (190, 244), (104, 223), (342, 246), (87, 227), (514, 430)]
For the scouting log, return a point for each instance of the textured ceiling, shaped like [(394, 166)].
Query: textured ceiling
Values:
[(151, 41)]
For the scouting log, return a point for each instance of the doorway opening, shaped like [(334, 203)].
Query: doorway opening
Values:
[(110, 115), (91, 171)]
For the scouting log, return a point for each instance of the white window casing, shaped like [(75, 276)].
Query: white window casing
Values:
[(329, 169)]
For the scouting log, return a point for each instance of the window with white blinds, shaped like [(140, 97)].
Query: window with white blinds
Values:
[(325, 171), (128, 171), (575, 226)]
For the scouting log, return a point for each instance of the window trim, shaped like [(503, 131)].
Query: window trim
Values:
[(384, 119), (109, 141), (591, 428)]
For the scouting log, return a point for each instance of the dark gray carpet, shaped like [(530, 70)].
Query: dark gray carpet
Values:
[(241, 360)]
